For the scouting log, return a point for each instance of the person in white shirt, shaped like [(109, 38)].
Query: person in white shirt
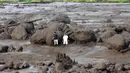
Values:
[(65, 39)]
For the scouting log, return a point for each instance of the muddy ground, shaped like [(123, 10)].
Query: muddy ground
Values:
[(86, 15)]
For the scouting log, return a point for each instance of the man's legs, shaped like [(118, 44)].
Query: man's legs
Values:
[(63, 41), (66, 42), (55, 42)]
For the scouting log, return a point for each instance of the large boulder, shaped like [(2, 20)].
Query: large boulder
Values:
[(39, 36), (116, 42), (65, 28), (59, 67), (120, 29), (61, 18), (19, 33), (64, 61), (29, 27), (45, 36), (126, 35), (84, 36), (107, 34), (49, 38), (40, 24), (56, 26)]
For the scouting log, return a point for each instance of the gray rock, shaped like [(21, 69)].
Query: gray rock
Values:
[(29, 27), (119, 67), (107, 34), (59, 67), (88, 65), (19, 33), (111, 68), (100, 66), (45, 36), (120, 29), (126, 35), (61, 18), (127, 66), (84, 36), (116, 42), (93, 70), (9, 65)]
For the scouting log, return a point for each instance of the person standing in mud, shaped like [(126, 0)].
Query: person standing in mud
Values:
[(65, 39), (55, 38)]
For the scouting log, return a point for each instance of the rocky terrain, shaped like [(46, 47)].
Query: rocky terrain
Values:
[(99, 35)]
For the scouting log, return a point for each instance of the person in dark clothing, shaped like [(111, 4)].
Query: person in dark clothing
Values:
[(55, 38)]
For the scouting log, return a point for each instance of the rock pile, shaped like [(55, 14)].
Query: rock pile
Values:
[(14, 65), (62, 25), (63, 61), (11, 48), (64, 64)]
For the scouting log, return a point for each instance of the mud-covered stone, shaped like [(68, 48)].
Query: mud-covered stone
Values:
[(45, 36), (59, 67), (84, 36), (116, 42), (19, 33), (88, 65), (29, 27), (120, 29), (119, 67), (61, 18), (65, 60), (107, 34), (100, 66), (126, 36), (127, 66)]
